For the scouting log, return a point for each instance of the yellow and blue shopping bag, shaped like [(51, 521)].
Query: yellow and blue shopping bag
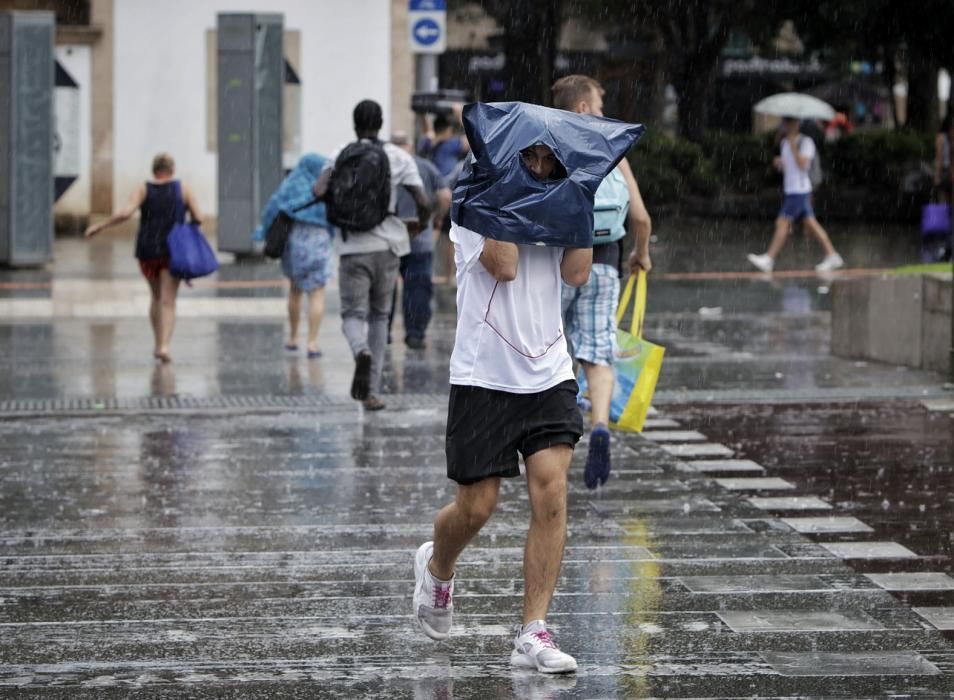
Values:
[(636, 362)]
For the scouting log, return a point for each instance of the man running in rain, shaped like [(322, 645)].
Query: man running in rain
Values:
[(512, 384)]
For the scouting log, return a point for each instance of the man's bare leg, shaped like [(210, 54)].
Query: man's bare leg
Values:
[(458, 522), (815, 228), (783, 227), (543, 554), (599, 379)]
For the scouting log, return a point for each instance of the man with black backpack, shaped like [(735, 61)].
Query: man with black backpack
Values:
[(359, 186)]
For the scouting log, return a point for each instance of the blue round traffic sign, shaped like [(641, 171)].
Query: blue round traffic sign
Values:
[(426, 31)]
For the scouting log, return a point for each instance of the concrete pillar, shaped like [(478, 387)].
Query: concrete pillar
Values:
[(26, 137), (402, 70), (101, 108), (251, 69)]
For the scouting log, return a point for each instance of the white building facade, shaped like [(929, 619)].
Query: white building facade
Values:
[(146, 72)]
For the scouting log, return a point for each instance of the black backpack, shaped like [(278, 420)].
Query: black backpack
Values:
[(359, 192)]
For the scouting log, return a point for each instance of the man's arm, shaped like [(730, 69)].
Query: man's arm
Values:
[(575, 266), (802, 161), (458, 110), (639, 222), (938, 159), (442, 204), (423, 205), (500, 259)]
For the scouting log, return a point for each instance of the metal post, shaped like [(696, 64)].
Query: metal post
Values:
[(26, 137), (426, 76), (950, 377), (251, 77)]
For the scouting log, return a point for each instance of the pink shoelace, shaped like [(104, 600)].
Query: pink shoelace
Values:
[(442, 596), (545, 639)]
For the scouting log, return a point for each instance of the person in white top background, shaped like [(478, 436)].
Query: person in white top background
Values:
[(795, 161), (512, 390)]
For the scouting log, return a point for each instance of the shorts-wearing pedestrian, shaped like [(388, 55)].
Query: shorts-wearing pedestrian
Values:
[(487, 428), (151, 267), (797, 206), (589, 316)]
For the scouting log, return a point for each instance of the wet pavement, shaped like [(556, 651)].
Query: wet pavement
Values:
[(233, 525)]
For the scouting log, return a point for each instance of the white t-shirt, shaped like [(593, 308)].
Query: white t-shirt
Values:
[(509, 334), (796, 179), (390, 234)]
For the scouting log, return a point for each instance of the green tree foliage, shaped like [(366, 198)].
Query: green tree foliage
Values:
[(532, 30), (917, 36), (695, 32), (671, 168)]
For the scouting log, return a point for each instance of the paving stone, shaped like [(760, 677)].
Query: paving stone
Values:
[(915, 581), (674, 436), (804, 550), (768, 483), (754, 584), (704, 450), (797, 621), (941, 617), (671, 506), (904, 663), (725, 466), (825, 525), (869, 550), (943, 405), (786, 503), (659, 423)]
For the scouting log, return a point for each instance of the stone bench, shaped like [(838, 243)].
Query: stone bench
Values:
[(899, 319)]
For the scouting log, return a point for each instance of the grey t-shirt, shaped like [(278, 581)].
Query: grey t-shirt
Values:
[(390, 234), (407, 207)]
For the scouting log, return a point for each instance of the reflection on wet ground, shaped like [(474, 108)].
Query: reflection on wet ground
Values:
[(232, 525), (889, 465), (198, 555)]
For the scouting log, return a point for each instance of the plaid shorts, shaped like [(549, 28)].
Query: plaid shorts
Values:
[(589, 316)]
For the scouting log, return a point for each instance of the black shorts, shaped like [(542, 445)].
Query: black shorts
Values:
[(486, 428)]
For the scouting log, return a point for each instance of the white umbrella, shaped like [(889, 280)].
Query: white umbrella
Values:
[(795, 104)]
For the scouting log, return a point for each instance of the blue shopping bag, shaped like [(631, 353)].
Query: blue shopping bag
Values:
[(190, 255), (935, 219)]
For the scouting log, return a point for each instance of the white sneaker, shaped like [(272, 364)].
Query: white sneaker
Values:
[(534, 648), (831, 262), (765, 263), (433, 601)]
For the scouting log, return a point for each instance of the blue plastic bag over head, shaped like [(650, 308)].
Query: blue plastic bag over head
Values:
[(498, 197)]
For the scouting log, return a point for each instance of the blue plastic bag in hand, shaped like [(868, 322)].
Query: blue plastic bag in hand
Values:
[(498, 197), (190, 255)]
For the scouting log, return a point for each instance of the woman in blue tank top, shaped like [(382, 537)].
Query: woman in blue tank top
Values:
[(156, 201)]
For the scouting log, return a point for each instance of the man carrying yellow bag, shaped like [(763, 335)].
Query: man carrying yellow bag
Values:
[(588, 310), (636, 367)]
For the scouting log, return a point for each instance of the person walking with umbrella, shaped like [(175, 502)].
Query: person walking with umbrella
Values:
[(794, 162)]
